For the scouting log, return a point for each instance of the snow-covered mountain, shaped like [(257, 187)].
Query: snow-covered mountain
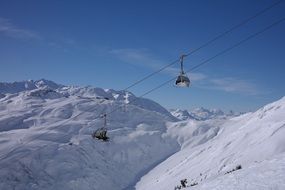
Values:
[(212, 150), (181, 114), (200, 114), (46, 142), (16, 87)]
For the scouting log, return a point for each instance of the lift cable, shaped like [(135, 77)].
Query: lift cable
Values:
[(218, 54), (168, 81), (208, 42), (208, 60)]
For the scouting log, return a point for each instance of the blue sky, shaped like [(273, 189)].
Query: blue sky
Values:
[(112, 44)]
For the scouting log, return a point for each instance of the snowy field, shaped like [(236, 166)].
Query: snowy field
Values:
[(46, 143)]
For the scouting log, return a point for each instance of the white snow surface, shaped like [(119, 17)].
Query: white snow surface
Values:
[(209, 149), (46, 143)]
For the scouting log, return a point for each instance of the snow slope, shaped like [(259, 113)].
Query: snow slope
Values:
[(263, 175), (212, 148), (46, 143), (54, 147)]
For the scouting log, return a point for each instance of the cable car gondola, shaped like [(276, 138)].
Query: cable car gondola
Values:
[(182, 80)]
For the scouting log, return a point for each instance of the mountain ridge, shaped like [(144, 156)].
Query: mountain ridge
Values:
[(50, 133), (26, 85), (201, 114)]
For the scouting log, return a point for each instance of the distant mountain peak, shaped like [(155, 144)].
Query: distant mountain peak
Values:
[(200, 114), (181, 114), (47, 83), (20, 86)]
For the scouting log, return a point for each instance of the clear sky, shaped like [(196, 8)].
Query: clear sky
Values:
[(111, 44)]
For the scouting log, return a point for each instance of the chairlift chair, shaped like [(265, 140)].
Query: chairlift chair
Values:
[(101, 133)]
